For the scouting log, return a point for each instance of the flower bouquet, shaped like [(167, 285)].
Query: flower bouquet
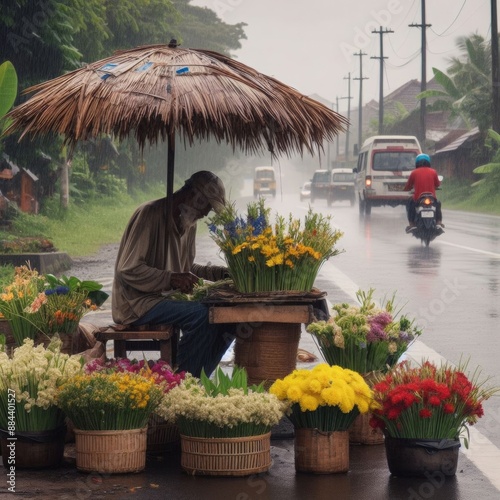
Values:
[(364, 338), (266, 257), (162, 435), (64, 301), (38, 304), (110, 412), (29, 384), (423, 410), (224, 423), (322, 404), (16, 297)]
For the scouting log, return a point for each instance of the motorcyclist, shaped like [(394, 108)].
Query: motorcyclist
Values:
[(423, 179)]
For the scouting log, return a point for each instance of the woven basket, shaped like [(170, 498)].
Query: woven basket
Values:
[(111, 451), (269, 353), (321, 452), (162, 436), (362, 433), (241, 456)]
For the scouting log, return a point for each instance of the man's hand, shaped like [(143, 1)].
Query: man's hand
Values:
[(183, 281)]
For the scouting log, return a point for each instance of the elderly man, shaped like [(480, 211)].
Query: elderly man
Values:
[(145, 272)]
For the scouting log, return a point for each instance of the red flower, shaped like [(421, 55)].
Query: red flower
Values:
[(434, 401), (425, 413), (449, 408)]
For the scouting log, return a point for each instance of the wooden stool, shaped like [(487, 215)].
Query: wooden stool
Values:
[(162, 338)]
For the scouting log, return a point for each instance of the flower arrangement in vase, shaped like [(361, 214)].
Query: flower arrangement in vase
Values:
[(110, 413), (29, 382), (425, 409), (266, 257), (322, 404), (364, 338), (224, 423)]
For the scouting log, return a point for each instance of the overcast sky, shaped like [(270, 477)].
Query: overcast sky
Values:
[(310, 44)]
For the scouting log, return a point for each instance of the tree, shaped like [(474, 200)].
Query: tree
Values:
[(466, 88)]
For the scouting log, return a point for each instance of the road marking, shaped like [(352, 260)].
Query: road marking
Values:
[(463, 247), (482, 452)]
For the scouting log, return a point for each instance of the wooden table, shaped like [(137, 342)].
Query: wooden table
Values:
[(267, 331)]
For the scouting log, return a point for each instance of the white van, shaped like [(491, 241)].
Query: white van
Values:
[(384, 165)]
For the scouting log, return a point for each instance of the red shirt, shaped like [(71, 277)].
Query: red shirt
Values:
[(423, 180)]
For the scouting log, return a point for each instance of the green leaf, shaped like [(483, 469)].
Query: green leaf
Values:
[(494, 135), (487, 169), (8, 87)]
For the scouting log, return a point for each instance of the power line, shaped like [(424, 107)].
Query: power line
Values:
[(452, 23)]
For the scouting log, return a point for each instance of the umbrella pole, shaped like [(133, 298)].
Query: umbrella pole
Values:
[(170, 182)]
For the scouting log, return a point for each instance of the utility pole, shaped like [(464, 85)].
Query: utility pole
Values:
[(360, 110), (337, 140), (495, 80), (423, 83), (381, 32), (348, 132)]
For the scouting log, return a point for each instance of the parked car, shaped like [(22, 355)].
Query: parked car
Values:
[(264, 181), (305, 191)]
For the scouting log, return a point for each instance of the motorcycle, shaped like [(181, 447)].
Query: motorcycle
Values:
[(425, 219)]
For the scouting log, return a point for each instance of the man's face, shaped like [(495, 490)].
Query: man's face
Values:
[(196, 208)]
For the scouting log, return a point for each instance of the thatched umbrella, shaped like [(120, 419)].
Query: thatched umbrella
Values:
[(156, 91)]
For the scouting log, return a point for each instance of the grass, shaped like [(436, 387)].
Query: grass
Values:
[(82, 229), (456, 195)]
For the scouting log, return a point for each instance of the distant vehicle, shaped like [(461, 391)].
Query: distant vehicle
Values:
[(264, 181), (333, 185), (384, 165), (320, 185), (342, 186), (305, 191)]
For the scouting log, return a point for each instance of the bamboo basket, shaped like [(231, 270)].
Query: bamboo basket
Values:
[(321, 452), (361, 432), (241, 456), (111, 451), (269, 353), (162, 435)]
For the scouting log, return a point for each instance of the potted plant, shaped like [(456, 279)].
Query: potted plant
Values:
[(322, 404), (162, 436), (423, 410), (224, 423), (266, 257), (30, 419), (110, 413), (368, 339)]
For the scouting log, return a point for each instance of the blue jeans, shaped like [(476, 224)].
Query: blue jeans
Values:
[(202, 344)]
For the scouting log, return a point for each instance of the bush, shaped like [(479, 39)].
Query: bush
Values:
[(26, 245)]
